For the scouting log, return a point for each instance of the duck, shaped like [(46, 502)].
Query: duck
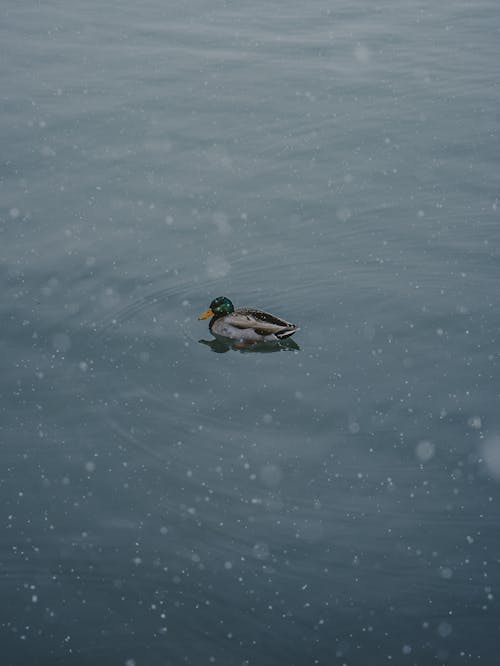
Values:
[(247, 325)]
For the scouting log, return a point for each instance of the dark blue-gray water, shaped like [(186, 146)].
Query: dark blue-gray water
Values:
[(166, 501)]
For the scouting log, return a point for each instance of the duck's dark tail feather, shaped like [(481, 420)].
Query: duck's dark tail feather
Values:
[(286, 333)]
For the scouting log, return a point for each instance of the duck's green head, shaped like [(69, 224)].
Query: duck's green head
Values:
[(219, 307)]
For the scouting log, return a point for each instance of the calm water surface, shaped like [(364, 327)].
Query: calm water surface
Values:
[(167, 501)]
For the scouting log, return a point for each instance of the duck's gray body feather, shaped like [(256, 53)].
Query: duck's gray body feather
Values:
[(251, 325)]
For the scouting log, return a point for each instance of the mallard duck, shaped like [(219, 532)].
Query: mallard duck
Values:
[(245, 324)]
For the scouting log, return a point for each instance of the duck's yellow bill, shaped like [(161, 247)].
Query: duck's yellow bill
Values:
[(206, 314)]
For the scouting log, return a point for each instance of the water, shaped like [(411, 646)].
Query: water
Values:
[(334, 163)]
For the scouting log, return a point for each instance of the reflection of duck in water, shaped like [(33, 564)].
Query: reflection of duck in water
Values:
[(223, 345), (246, 324)]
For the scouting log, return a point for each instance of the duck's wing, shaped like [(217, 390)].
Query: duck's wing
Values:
[(261, 322)]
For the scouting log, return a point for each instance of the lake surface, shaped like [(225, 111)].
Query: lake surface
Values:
[(169, 501)]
